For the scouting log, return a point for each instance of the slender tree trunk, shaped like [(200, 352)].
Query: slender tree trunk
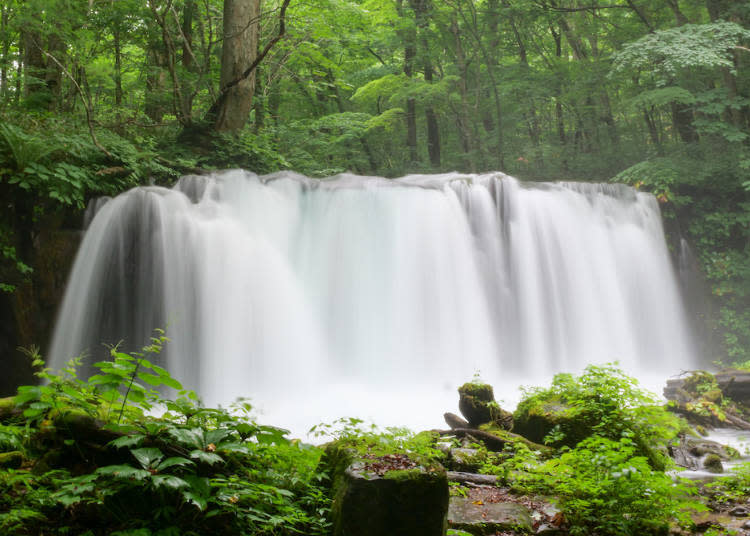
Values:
[(19, 72), (118, 68), (53, 75), (464, 128), (33, 63), (5, 54), (679, 16), (187, 58), (653, 131), (238, 52), (422, 9), (559, 117), (410, 52), (156, 81)]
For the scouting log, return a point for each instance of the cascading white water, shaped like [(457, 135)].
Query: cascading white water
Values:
[(363, 296)]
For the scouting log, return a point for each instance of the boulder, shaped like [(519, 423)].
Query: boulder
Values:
[(477, 404), (467, 460), (535, 418), (735, 384), (712, 464), (454, 421), (389, 494), (11, 460), (488, 517)]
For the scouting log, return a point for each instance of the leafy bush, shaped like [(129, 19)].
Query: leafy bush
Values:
[(604, 401), (97, 460)]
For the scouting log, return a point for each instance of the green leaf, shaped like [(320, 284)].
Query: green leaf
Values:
[(169, 481), (148, 456), (206, 457), (127, 441), (123, 471), (174, 461)]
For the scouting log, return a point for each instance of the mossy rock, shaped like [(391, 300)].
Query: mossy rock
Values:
[(712, 463), (513, 438), (405, 502), (11, 460), (535, 418), (8, 408), (477, 404)]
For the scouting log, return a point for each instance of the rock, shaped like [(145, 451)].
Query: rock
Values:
[(735, 384), (467, 460), (370, 499), (11, 460), (8, 409), (473, 478), (700, 447), (712, 463), (746, 525), (535, 418), (454, 421), (488, 518), (689, 451), (477, 403), (512, 438), (740, 511)]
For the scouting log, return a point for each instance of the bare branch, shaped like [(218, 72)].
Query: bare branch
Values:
[(86, 102)]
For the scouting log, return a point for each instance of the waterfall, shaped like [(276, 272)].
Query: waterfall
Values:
[(372, 297)]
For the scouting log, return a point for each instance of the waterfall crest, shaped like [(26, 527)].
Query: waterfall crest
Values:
[(364, 296)]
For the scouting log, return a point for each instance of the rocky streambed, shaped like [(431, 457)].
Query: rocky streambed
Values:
[(471, 486)]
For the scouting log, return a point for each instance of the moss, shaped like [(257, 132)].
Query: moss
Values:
[(536, 417), (512, 438), (477, 404), (712, 463), (481, 391), (700, 382), (11, 460)]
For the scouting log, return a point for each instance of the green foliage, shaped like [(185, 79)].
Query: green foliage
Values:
[(605, 487), (672, 52), (604, 401), (192, 470)]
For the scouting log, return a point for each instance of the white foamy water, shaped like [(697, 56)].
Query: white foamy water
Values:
[(376, 298)]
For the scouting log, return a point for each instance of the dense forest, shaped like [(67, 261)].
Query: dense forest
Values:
[(99, 96)]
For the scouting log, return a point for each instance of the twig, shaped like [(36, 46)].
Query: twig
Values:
[(86, 103)]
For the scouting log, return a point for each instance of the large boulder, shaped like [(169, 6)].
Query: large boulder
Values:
[(391, 494), (477, 404), (535, 418)]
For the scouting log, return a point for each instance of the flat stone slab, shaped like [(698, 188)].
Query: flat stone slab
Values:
[(481, 518)]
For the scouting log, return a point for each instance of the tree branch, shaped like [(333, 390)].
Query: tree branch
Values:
[(86, 103)]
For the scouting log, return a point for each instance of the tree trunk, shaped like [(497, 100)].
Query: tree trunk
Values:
[(5, 54), (156, 81), (679, 16), (464, 128), (118, 68), (238, 52), (410, 52), (53, 75), (422, 10), (34, 64), (187, 55)]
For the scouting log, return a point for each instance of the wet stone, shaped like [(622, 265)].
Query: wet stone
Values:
[(480, 518)]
